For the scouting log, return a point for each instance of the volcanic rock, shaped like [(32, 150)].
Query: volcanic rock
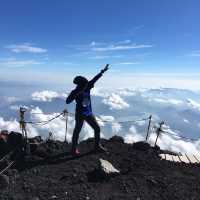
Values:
[(143, 175), (143, 146), (116, 138)]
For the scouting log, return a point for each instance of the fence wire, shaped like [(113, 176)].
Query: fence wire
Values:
[(153, 127), (180, 136)]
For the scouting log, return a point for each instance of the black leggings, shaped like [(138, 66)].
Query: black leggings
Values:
[(79, 120)]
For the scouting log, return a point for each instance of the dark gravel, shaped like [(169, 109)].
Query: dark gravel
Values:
[(51, 174)]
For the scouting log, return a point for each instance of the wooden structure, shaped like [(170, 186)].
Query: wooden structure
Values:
[(182, 158)]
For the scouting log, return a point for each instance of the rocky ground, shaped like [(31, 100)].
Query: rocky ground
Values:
[(51, 174)]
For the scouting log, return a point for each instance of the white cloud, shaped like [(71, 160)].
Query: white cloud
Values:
[(94, 43), (13, 62), (115, 102), (174, 143), (57, 126), (17, 107), (11, 125), (98, 57), (193, 104), (186, 121), (25, 47), (121, 47), (167, 101), (46, 95), (194, 54), (99, 92), (107, 118), (128, 63), (110, 46), (140, 123), (124, 42), (116, 128), (11, 99), (133, 136), (151, 80), (127, 92)]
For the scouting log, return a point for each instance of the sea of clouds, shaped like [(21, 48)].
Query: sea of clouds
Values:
[(178, 108)]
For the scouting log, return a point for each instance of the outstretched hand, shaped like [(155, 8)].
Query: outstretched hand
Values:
[(105, 68)]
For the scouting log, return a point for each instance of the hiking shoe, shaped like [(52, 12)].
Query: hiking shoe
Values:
[(100, 149), (75, 152)]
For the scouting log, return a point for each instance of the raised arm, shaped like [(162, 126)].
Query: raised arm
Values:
[(96, 78)]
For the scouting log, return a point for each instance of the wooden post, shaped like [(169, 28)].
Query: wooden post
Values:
[(23, 126), (66, 114), (148, 129), (158, 132)]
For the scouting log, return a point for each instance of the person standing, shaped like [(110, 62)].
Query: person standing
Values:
[(81, 94)]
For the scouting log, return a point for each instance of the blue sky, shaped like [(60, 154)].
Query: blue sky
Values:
[(54, 40)]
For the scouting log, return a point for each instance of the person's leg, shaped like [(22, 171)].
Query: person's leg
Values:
[(78, 125), (91, 120)]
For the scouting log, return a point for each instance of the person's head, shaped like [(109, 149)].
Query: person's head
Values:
[(80, 81)]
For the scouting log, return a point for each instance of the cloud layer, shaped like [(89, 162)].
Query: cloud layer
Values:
[(46, 95), (178, 108)]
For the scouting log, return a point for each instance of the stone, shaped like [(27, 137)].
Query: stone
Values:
[(54, 197), (35, 198), (107, 168), (87, 198)]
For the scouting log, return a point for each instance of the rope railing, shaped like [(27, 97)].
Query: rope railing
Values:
[(120, 122), (8, 167), (179, 136), (65, 114), (159, 132), (9, 164), (150, 129), (73, 114), (45, 121)]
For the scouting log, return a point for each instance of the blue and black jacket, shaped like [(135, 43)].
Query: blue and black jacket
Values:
[(81, 94)]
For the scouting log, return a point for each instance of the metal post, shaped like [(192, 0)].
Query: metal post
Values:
[(158, 132), (148, 129)]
